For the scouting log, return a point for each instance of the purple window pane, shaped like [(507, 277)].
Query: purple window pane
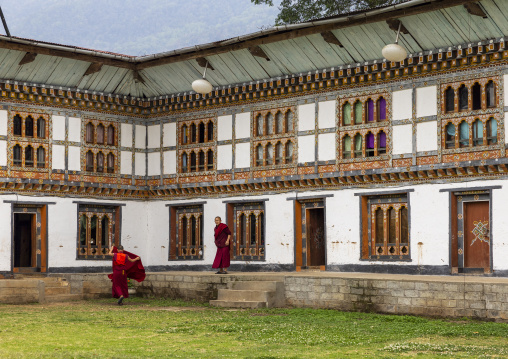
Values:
[(370, 110), (382, 139), (382, 109), (370, 140)]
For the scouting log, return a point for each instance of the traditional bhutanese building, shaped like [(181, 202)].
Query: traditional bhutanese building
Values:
[(316, 151)]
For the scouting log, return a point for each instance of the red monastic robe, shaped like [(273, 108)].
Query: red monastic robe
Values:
[(222, 259), (121, 272)]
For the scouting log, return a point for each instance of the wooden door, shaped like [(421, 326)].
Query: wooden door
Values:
[(24, 240), (476, 235), (315, 225)]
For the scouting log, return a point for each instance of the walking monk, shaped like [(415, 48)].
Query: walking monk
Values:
[(222, 237), (124, 266)]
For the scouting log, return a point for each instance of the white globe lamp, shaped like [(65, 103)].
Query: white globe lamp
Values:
[(394, 52), (202, 86)]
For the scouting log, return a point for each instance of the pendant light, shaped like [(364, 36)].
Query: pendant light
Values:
[(202, 86), (395, 52)]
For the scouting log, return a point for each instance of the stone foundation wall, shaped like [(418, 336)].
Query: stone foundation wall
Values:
[(429, 297), (89, 285), (21, 292)]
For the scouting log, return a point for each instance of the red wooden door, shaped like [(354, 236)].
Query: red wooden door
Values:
[(476, 235), (315, 237)]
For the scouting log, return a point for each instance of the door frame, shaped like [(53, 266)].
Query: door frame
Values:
[(301, 204), (40, 210), (457, 235)]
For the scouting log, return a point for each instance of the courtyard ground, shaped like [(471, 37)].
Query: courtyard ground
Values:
[(159, 328)]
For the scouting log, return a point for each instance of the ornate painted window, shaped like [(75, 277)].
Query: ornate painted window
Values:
[(98, 230), (196, 146), (247, 224), (363, 128), (470, 132), (470, 95), (186, 232), (385, 227), (28, 138), (273, 138), (100, 149)]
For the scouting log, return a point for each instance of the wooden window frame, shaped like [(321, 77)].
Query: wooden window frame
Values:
[(247, 251), (385, 251), (92, 248), (178, 216), (196, 136), (107, 146)]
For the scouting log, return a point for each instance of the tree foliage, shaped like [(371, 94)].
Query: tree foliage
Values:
[(295, 11)]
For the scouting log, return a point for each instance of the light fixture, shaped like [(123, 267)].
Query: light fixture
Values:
[(202, 86), (395, 52)]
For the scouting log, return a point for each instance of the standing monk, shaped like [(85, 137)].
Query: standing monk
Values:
[(222, 237), (119, 276)]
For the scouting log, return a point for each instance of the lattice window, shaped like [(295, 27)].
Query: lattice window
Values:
[(364, 110), (100, 149), (197, 146), (386, 218), (28, 141), (97, 231), (248, 231), (273, 132), (471, 95), (476, 131), (186, 233), (357, 145)]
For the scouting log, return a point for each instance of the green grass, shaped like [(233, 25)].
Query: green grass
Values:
[(159, 328)]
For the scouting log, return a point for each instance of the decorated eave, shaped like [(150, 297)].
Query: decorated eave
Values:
[(281, 60), (457, 171)]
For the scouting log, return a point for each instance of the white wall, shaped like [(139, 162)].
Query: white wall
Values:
[(326, 114), (58, 157), (140, 164), (74, 129), (140, 141), (426, 101), (402, 139), (126, 140), (402, 105), (3, 153), (169, 138), (306, 145), (125, 163), (426, 136), (3, 122), (307, 117), (242, 125), (154, 136), (169, 162), (505, 77), (59, 128), (154, 164), (242, 155), (224, 157), (145, 228), (74, 162), (5, 233), (326, 146), (225, 128)]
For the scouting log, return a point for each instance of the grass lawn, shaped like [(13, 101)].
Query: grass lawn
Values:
[(155, 328)]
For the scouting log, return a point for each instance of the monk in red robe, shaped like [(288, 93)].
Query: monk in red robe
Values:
[(222, 237), (123, 268)]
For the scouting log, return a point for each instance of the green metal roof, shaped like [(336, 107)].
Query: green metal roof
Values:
[(436, 28)]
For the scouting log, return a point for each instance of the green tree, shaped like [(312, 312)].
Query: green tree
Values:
[(294, 11)]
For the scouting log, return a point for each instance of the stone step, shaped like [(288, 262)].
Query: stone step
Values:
[(238, 304), (255, 285), (245, 295), (57, 290), (62, 298)]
